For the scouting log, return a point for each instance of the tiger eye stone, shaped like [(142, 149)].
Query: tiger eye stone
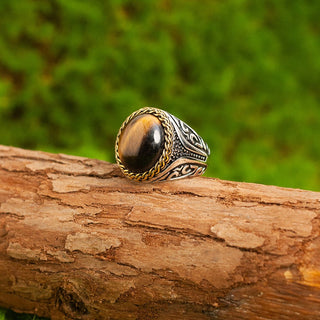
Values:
[(141, 143)]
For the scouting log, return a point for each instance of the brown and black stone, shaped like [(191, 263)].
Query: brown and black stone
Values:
[(141, 143)]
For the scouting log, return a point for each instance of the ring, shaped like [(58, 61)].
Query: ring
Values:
[(154, 145)]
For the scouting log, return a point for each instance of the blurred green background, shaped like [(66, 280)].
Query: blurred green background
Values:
[(244, 74)]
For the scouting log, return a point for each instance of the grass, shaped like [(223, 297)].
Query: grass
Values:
[(10, 315)]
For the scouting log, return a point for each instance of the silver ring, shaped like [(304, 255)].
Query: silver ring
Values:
[(154, 145)]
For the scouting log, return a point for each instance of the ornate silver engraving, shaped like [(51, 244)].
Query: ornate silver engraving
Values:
[(182, 168), (189, 138), (189, 153)]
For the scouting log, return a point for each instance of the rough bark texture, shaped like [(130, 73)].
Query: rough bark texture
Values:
[(79, 241)]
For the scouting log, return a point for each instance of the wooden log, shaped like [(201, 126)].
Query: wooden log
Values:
[(80, 241)]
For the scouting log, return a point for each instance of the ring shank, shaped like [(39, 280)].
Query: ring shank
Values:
[(189, 153)]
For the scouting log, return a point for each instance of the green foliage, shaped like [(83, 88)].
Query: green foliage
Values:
[(244, 74), (10, 315)]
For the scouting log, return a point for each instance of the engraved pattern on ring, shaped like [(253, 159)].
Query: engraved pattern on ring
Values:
[(189, 138), (181, 168)]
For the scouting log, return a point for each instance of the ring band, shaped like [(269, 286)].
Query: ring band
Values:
[(154, 145)]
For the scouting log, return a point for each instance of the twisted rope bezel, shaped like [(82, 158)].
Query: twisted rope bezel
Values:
[(167, 150)]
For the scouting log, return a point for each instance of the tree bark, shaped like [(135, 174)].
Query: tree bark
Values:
[(80, 241)]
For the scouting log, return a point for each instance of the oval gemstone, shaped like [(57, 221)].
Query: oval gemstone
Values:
[(141, 143)]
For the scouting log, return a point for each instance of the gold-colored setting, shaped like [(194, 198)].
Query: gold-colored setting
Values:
[(167, 150)]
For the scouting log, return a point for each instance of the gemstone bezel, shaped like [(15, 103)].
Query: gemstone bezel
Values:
[(166, 152)]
